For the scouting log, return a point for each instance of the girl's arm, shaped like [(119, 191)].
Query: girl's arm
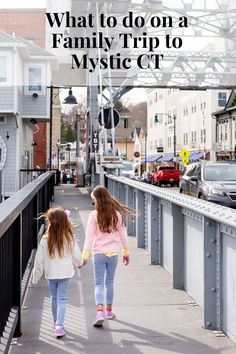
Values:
[(38, 264), (76, 255), (123, 236), (90, 233)]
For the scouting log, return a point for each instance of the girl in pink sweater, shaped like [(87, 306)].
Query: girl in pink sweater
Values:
[(105, 235)]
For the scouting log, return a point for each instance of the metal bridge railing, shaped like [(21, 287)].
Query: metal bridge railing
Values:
[(19, 233), (193, 239)]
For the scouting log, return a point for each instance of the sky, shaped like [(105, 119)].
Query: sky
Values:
[(22, 4), (136, 95)]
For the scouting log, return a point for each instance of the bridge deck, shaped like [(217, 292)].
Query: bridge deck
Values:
[(152, 317)]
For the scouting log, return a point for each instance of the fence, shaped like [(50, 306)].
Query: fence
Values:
[(194, 240), (19, 232), (29, 175)]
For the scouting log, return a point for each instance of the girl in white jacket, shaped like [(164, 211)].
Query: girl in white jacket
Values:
[(56, 254)]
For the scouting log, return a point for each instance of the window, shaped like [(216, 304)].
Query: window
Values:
[(194, 136), (185, 138), (226, 131), (160, 142), (169, 117), (190, 170), (221, 99), (221, 132), (35, 78), (3, 69), (185, 110), (126, 123), (155, 144), (194, 107), (169, 142), (203, 136)]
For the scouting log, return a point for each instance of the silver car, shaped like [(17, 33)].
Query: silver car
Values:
[(211, 181)]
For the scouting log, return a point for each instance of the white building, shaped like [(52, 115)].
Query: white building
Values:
[(226, 130), (25, 73), (195, 128)]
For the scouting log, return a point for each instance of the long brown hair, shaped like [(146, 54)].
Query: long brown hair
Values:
[(58, 231), (107, 208)]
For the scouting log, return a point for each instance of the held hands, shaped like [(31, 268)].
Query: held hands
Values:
[(83, 264), (126, 260)]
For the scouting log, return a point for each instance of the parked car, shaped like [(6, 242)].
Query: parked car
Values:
[(211, 181), (166, 175), (127, 170)]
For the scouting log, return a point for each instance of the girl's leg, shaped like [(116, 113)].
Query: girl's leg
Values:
[(62, 295), (111, 264), (99, 273), (52, 283)]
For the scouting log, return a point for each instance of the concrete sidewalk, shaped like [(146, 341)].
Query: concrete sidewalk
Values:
[(152, 318)]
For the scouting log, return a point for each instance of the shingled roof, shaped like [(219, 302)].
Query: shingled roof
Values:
[(33, 50)]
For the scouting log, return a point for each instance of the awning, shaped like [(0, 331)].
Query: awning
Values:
[(152, 158), (196, 155), (167, 157)]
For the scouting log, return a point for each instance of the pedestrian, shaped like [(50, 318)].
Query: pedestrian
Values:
[(105, 235), (56, 254)]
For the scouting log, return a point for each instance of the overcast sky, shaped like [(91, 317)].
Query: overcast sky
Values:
[(22, 4)]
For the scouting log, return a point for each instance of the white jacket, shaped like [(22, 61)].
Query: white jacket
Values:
[(56, 267)]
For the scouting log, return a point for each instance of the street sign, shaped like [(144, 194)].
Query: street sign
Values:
[(136, 154), (95, 141), (160, 149), (107, 117), (185, 155)]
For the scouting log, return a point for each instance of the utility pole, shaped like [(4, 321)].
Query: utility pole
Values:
[(174, 140)]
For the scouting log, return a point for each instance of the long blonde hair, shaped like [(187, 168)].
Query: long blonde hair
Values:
[(107, 208), (58, 231)]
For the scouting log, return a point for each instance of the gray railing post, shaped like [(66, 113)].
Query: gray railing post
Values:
[(130, 204), (210, 286), (155, 231), (140, 222), (17, 272), (178, 247), (35, 220)]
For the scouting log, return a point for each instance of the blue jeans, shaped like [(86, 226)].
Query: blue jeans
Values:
[(104, 272), (59, 293)]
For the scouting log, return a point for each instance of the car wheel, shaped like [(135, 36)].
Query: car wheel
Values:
[(181, 190), (200, 197), (159, 184), (172, 184)]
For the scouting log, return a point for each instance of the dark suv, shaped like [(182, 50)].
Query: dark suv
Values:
[(212, 181)]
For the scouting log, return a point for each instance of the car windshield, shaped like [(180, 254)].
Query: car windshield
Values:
[(220, 172), (163, 168)]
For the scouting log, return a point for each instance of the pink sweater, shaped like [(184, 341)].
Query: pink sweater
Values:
[(104, 242)]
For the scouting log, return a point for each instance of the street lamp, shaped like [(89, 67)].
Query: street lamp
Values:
[(172, 118), (71, 100)]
